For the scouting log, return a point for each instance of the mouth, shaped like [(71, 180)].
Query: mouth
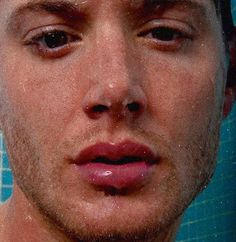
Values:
[(116, 166), (122, 161)]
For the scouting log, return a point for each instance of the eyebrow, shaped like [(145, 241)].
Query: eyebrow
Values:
[(52, 6), (189, 4), (67, 9), (192, 3), (71, 9)]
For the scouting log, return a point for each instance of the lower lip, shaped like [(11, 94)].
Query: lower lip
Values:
[(117, 176)]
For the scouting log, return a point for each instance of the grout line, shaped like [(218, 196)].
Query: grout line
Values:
[(215, 199), (232, 231), (209, 218)]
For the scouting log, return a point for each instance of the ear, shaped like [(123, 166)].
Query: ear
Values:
[(230, 91)]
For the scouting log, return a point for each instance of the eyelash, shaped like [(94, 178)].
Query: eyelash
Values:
[(40, 42), (170, 38)]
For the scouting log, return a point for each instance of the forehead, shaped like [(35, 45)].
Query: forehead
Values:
[(129, 3), (16, 8)]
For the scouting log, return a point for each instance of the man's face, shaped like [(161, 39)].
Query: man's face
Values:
[(80, 73)]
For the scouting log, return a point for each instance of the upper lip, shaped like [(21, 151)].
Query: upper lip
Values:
[(126, 151)]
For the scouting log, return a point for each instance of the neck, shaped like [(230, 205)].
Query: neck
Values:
[(20, 221)]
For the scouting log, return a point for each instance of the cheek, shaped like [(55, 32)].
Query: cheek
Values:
[(186, 96), (44, 98)]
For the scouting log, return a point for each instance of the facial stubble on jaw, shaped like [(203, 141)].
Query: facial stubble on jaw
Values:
[(19, 141)]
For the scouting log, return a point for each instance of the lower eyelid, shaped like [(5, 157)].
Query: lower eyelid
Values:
[(54, 53)]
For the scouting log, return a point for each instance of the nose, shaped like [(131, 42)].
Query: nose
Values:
[(115, 100), (116, 90)]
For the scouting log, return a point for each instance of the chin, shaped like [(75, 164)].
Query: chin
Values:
[(138, 216), (134, 222)]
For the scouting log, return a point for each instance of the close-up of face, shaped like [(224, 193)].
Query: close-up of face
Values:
[(111, 110)]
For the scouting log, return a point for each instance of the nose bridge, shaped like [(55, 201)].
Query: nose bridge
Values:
[(115, 90), (113, 62)]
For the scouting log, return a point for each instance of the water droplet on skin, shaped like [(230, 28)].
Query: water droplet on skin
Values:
[(202, 44), (83, 2), (107, 173), (29, 218), (111, 86)]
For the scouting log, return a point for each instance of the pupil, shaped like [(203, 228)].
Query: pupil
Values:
[(55, 39), (164, 34)]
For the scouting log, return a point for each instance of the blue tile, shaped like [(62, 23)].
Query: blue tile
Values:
[(7, 178), (230, 203), (225, 131), (6, 193), (5, 160), (225, 150), (225, 168), (233, 131)]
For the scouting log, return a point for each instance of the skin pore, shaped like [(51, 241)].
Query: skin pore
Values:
[(61, 62)]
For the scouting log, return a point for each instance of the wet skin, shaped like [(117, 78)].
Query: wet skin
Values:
[(62, 94)]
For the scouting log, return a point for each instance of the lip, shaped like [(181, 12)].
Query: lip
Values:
[(121, 165)]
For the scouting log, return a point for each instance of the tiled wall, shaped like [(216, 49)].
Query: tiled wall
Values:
[(6, 179), (212, 216)]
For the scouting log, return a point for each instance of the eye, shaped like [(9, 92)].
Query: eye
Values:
[(52, 43), (166, 38), (165, 34), (55, 39)]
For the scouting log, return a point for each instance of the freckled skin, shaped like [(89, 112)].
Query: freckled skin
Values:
[(45, 119)]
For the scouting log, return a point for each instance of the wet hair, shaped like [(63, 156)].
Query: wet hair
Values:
[(223, 8)]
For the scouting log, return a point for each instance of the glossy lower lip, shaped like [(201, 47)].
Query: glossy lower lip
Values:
[(118, 175)]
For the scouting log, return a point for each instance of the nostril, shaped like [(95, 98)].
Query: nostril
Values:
[(99, 108), (134, 107)]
